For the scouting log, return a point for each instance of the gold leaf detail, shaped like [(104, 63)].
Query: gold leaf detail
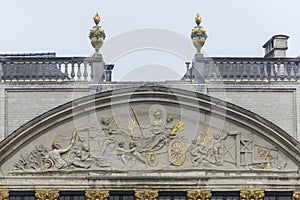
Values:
[(252, 194), (146, 194), (199, 194), (47, 194), (96, 194)]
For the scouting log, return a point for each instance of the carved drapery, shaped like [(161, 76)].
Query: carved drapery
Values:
[(146, 194), (4, 194), (47, 194), (96, 194), (252, 194), (296, 195), (199, 194)]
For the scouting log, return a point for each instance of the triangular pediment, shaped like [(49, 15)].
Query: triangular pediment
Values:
[(149, 131)]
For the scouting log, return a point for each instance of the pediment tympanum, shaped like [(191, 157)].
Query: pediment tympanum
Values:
[(149, 131)]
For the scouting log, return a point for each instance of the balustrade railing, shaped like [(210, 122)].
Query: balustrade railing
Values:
[(46, 69), (75, 69), (251, 69)]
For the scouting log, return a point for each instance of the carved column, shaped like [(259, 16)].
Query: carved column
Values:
[(4, 194), (47, 194), (252, 194), (296, 195), (146, 194), (96, 194), (198, 194)]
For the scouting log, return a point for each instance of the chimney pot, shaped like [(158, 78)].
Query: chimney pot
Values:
[(276, 47)]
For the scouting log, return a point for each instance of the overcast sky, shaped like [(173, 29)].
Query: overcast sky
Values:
[(234, 27)]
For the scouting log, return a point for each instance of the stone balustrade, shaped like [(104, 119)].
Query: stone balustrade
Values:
[(246, 69), (47, 69)]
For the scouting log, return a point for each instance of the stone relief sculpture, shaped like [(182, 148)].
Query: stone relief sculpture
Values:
[(230, 149), (159, 142), (55, 160), (33, 160)]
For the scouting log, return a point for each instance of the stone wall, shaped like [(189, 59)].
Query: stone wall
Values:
[(277, 103), (21, 103)]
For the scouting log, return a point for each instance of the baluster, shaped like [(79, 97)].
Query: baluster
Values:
[(292, 72), (234, 71), (4, 75), (43, 72), (272, 72), (248, 71), (59, 68), (244, 73), (287, 71), (92, 71), (256, 72), (225, 72), (251, 72), (265, 74), (72, 70), (228, 70), (79, 74), (278, 72), (66, 70), (221, 71), (297, 71), (284, 72), (85, 73), (239, 69)]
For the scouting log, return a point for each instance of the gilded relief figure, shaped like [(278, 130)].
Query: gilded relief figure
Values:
[(56, 160)]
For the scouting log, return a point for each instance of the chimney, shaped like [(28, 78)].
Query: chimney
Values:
[(276, 47)]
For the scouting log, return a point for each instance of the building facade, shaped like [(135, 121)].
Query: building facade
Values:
[(227, 130)]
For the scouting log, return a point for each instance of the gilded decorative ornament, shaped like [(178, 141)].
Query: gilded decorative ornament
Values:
[(178, 127), (4, 194), (198, 35), (47, 194), (268, 157), (130, 125), (296, 195), (146, 194), (97, 34), (199, 194), (96, 194), (252, 194), (176, 152)]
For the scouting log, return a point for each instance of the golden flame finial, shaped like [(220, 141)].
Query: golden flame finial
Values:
[(198, 19), (97, 18)]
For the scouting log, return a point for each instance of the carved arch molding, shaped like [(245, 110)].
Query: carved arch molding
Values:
[(150, 133)]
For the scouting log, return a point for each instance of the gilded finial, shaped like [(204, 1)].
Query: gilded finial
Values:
[(198, 19), (97, 18), (198, 35), (97, 35)]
